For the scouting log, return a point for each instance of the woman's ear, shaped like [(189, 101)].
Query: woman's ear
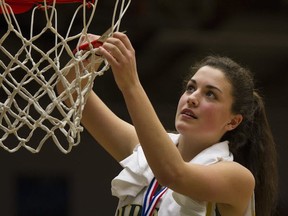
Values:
[(235, 121)]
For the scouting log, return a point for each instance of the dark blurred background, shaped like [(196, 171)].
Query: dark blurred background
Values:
[(168, 37)]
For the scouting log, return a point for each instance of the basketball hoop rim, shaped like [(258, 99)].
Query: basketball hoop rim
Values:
[(22, 6)]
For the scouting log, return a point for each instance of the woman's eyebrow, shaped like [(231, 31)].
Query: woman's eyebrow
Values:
[(211, 87), (214, 88), (193, 81)]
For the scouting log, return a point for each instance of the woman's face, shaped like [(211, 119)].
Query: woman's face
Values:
[(204, 109)]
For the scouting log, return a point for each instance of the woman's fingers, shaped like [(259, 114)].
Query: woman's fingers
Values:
[(120, 54), (117, 49), (125, 40)]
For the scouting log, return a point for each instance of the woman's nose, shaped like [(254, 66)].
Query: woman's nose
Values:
[(193, 99)]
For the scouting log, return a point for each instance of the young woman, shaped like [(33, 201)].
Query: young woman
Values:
[(222, 155)]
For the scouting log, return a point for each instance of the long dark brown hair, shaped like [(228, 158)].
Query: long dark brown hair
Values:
[(251, 143)]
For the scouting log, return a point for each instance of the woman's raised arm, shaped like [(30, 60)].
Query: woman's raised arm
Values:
[(116, 136)]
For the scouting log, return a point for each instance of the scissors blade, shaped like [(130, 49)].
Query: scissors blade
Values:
[(105, 35)]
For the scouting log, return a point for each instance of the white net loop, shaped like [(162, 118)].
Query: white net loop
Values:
[(31, 111)]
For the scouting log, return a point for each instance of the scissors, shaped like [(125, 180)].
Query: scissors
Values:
[(95, 43)]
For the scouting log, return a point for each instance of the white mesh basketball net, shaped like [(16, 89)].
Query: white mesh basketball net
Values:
[(30, 108)]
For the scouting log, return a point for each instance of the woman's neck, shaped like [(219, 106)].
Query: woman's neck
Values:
[(189, 148)]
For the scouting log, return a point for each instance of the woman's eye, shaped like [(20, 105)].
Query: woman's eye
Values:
[(211, 94), (190, 88)]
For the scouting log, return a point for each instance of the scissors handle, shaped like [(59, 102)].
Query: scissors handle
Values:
[(95, 43)]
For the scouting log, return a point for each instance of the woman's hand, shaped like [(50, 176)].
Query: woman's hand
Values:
[(120, 54)]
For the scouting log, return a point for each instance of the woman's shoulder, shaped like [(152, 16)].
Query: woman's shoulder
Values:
[(241, 180), (238, 173)]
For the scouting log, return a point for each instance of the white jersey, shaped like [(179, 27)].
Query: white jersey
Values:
[(132, 182)]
